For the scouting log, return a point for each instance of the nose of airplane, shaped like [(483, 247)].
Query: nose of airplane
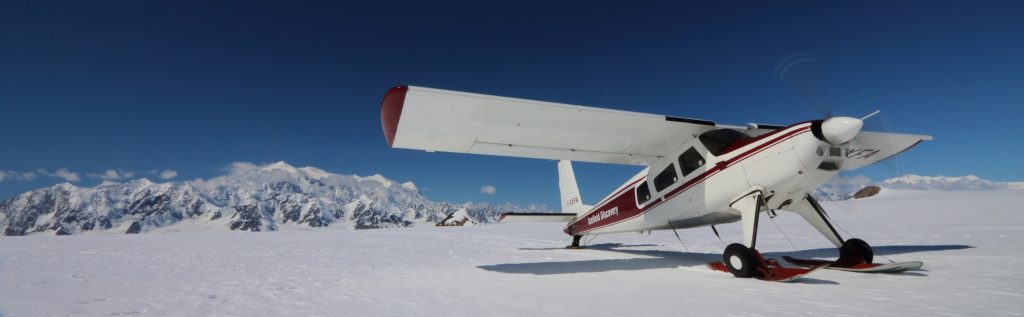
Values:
[(839, 130)]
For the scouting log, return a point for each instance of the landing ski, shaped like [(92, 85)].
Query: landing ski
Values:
[(858, 267), (772, 272)]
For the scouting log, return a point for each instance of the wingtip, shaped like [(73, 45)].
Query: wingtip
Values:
[(391, 111)]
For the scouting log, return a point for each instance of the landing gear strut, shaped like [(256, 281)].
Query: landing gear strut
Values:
[(575, 242), (743, 260), (852, 252), (855, 255)]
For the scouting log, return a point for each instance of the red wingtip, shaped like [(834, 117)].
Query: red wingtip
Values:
[(391, 111)]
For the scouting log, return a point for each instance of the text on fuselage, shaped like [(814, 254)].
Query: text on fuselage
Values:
[(861, 153), (602, 215)]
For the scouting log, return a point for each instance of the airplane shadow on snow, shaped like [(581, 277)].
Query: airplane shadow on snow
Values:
[(659, 259)]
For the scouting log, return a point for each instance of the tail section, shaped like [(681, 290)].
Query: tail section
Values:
[(572, 204), (571, 200)]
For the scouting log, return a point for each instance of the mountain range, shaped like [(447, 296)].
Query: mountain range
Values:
[(844, 188), (969, 182), (248, 198), (278, 195)]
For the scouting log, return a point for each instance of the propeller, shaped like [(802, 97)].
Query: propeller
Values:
[(802, 72), (893, 165)]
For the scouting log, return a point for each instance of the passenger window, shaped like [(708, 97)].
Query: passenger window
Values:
[(643, 194), (690, 161), (666, 178)]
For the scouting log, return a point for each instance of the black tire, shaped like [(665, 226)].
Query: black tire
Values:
[(856, 249), (740, 260)]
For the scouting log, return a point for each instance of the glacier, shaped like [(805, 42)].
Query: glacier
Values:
[(968, 241)]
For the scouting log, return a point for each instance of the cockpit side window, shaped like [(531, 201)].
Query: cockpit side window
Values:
[(690, 161), (718, 141)]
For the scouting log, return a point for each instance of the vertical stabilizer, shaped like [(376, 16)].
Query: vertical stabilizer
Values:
[(571, 200)]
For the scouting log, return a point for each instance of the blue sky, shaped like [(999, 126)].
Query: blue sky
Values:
[(150, 87)]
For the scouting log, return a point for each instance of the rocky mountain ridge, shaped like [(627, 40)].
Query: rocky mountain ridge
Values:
[(249, 198)]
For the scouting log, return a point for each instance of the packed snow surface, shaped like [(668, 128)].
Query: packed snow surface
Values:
[(970, 243)]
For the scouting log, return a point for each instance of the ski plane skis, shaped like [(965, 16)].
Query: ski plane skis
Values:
[(696, 173)]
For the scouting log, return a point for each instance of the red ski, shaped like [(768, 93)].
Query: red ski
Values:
[(858, 267), (771, 270)]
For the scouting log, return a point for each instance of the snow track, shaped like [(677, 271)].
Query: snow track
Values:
[(969, 242)]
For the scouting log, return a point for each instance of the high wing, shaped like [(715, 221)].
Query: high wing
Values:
[(450, 121), (870, 147)]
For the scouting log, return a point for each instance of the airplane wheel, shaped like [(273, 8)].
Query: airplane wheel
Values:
[(740, 259), (855, 248)]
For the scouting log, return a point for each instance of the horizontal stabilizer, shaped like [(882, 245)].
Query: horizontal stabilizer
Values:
[(536, 217)]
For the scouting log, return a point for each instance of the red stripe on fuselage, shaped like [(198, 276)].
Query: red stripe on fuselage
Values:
[(616, 194), (626, 203)]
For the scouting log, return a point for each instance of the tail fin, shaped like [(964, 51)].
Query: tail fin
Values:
[(571, 200)]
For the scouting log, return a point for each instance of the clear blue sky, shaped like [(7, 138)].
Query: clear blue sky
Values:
[(192, 86)]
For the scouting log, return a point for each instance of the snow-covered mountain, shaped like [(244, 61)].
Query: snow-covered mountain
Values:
[(249, 198), (458, 218), (843, 188), (969, 182), (827, 193)]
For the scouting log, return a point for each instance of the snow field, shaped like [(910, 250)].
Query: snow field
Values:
[(969, 241)]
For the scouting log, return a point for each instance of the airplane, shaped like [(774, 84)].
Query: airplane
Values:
[(696, 173)]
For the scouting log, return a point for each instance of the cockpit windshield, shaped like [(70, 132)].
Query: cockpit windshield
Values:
[(721, 141)]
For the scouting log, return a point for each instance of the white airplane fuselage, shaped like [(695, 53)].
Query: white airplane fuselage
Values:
[(785, 165)]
